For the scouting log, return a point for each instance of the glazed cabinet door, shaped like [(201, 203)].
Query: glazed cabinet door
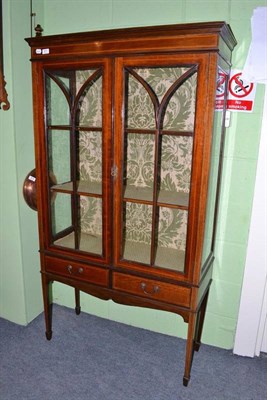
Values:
[(78, 158), (157, 140)]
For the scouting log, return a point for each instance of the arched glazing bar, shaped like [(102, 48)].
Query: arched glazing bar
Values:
[(65, 90), (82, 93), (170, 92), (147, 87)]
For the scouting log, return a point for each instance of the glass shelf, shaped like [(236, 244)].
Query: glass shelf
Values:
[(138, 193), (88, 242), (165, 197), (170, 259), (83, 187), (173, 198), (138, 252), (165, 257)]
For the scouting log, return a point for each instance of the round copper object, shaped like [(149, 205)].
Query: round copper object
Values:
[(29, 189)]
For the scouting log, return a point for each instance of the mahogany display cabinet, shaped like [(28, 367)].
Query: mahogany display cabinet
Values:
[(128, 148)]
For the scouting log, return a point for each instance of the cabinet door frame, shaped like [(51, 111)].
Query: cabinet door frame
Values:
[(38, 69), (205, 96)]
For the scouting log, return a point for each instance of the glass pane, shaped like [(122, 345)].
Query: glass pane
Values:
[(90, 105), (180, 111), (60, 212), (57, 106), (161, 78), (137, 220), (89, 143), (87, 236), (139, 108), (172, 230), (139, 166), (91, 224), (175, 171), (90, 161), (213, 180), (59, 154)]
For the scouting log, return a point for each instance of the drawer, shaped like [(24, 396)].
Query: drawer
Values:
[(152, 289), (76, 270)]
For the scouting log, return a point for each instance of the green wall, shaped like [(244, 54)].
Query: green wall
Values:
[(20, 290), (20, 286)]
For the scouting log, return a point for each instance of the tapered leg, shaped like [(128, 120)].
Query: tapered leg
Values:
[(195, 327), (200, 322), (47, 307), (77, 302), (189, 347)]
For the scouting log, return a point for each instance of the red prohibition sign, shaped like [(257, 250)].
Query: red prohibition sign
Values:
[(238, 88), (220, 88)]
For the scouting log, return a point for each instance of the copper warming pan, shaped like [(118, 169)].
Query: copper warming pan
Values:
[(29, 189)]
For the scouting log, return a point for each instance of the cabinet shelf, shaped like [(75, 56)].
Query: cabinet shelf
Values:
[(162, 132), (89, 243), (165, 257), (77, 128), (171, 198), (83, 188), (166, 198)]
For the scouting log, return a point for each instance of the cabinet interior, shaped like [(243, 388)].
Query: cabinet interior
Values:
[(157, 155)]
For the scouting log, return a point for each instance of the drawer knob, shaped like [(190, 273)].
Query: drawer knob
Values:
[(69, 269), (155, 288), (80, 270)]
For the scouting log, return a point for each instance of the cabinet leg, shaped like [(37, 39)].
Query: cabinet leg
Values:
[(200, 322), (189, 347), (195, 326), (77, 302), (46, 285)]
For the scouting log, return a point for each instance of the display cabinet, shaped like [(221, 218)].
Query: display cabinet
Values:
[(128, 151)]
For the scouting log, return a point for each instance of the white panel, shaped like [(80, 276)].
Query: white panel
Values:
[(252, 311)]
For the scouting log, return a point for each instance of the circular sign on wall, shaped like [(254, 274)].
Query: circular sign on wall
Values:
[(220, 87), (238, 87), (241, 93)]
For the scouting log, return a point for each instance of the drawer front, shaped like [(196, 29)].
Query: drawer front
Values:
[(152, 289), (76, 270)]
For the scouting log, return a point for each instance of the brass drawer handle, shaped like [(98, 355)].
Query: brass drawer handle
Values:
[(80, 270), (69, 269), (154, 290)]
